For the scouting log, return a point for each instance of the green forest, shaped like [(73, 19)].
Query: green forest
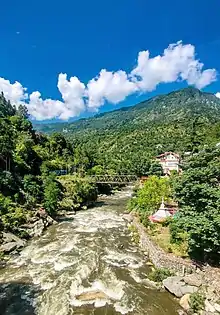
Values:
[(124, 141), (27, 179)]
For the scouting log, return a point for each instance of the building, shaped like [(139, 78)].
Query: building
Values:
[(170, 162), (166, 210)]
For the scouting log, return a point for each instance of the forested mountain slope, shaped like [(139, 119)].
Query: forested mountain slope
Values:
[(27, 180), (173, 106), (124, 140)]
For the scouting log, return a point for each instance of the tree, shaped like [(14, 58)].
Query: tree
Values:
[(22, 111), (52, 194), (32, 189), (149, 197), (197, 192), (77, 191), (155, 169)]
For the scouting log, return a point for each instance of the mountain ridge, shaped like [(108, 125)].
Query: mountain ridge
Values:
[(181, 99)]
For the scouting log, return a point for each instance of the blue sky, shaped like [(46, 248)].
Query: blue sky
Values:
[(42, 39)]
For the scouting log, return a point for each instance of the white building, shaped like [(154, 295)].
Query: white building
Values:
[(170, 162)]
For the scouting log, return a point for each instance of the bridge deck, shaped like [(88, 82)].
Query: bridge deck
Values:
[(114, 179)]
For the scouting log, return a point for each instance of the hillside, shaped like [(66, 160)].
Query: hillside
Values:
[(173, 106), (125, 139)]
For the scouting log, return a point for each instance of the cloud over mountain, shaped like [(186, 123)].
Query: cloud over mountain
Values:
[(177, 63)]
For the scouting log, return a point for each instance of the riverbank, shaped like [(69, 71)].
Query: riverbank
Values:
[(188, 279), (11, 243)]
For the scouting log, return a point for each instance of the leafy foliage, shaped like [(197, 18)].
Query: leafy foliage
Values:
[(196, 302), (148, 198), (27, 164), (197, 191), (158, 275), (78, 191), (52, 194)]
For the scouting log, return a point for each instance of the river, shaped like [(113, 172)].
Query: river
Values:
[(86, 264)]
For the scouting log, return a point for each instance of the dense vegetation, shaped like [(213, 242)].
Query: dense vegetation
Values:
[(148, 198), (198, 194), (124, 141), (27, 162), (195, 229)]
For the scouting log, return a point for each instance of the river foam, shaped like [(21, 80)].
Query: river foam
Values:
[(84, 265)]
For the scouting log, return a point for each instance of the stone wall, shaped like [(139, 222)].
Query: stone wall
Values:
[(158, 257)]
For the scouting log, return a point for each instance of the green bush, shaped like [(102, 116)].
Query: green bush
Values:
[(77, 192), (52, 194), (148, 198), (196, 302), (158, 275), (14, 217)]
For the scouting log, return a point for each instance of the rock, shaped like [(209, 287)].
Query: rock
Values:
[(69, 213), (184, 302), (90, 296), (149, 263), (209, 307), (8, 247), (49, 221), (211, 293), (217, 307), (38, 228), (11, 242), (121, 246), (127, 217), (193, 279), (178, 287), (151, 284), (9, 237)]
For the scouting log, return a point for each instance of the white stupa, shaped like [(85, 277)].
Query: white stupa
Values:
[(161, 214)]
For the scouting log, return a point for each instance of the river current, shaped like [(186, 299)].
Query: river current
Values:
[(86, 264)]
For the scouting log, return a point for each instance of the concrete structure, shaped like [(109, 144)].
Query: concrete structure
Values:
[(170, 162), (160, 215)]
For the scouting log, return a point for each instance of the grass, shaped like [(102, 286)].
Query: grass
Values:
[(197, 302), (158, 275), (134, 233), (161, 235)]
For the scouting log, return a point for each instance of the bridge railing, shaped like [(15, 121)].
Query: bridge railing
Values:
[(114, 178)]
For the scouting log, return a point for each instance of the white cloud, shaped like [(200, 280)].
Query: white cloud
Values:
[(44, 109), (217, 94), (72, 92), (113, 87), (13, 92), (177, 63)]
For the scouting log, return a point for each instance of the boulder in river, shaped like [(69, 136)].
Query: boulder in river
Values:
[(10, 242), (93, 295), (38, 227), (178, 287)]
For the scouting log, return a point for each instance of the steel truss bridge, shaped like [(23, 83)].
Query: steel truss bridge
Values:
[(114, 179)]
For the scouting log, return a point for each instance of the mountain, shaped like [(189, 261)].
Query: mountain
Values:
[(173, 106), (179, 121)]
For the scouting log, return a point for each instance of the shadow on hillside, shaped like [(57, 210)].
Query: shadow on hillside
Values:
[(17, 298)]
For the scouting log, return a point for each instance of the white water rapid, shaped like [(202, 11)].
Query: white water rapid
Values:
[(86, 264)]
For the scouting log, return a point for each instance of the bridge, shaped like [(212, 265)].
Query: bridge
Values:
[(114, 179)]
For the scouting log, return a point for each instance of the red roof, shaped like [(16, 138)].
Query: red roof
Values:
[(167, 153)]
